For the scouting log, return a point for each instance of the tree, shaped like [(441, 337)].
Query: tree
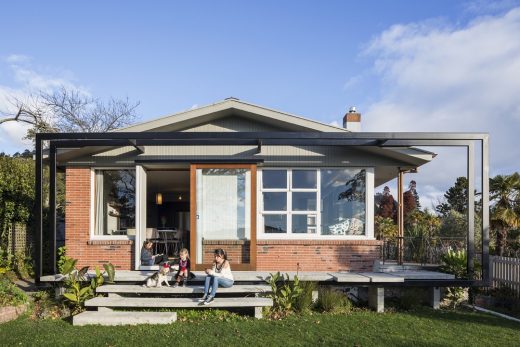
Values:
[(504, 216), (411, 199), (68, 110), (386, 206), (456, 198)]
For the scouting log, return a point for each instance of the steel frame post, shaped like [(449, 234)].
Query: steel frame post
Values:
[(38, 201), (52, 204), (471, 209), (486, 275)]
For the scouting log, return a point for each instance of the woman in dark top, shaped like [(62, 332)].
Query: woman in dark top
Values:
[(147, 258)]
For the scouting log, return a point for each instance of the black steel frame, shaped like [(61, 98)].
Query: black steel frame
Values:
[(56, 141)]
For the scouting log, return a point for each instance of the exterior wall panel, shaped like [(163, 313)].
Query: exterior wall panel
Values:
[(77, 227)]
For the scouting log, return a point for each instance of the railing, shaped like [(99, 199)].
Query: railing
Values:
[(423, 250), (505, 272)]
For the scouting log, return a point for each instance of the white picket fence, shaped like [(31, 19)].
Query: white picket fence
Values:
[(505, 272)]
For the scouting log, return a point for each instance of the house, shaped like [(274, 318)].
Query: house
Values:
[(276, 191)]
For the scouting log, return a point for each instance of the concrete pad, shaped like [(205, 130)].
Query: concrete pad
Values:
[(423, 275), (139, 289), (349, 277), (381, 277), (123, 318)]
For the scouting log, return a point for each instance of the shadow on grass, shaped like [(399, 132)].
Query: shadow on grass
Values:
[(463, 316)]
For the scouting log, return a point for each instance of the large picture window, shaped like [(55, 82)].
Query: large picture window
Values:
[(114, 202), (315, 202), (343, 199)]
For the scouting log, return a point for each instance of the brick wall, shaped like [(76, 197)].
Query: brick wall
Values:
[(272, 255), (77, 227), (317, 255), (237, 250)]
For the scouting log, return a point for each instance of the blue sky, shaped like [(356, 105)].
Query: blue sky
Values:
[(406, 65)]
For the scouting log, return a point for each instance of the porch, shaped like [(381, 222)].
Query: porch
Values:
[(250, 290)]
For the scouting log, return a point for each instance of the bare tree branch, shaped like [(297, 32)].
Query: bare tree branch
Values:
[(69, 110)]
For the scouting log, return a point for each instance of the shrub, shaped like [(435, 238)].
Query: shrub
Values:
[(455, 262), (284, 294), (304, 301), (10, 294), (331, 300), (63, 259), (23, 265), (78, 286)]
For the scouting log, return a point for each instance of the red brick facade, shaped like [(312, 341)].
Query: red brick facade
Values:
[(317, 255), (272, 255), (237, 251), (77, 227)]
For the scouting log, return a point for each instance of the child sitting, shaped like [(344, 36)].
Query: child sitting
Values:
[(147, 257), (183, 274)]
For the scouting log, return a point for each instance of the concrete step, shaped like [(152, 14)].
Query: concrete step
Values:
[(219, 302), (190, 289), (107, 317), (176, 302)]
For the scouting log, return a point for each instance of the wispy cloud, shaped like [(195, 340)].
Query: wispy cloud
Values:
[(27, 79), (440, 77)]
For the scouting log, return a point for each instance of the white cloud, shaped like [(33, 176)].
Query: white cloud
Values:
[(438, 77), (26, 79)]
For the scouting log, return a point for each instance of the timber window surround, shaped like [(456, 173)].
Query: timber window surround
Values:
[(321, 203), (113, 203)]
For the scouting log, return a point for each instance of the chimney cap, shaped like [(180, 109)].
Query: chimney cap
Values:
[(352, 109)]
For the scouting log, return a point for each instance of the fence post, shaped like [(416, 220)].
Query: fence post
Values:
[(490, 271)]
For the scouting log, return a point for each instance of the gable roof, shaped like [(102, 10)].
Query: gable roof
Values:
[(231, 107)]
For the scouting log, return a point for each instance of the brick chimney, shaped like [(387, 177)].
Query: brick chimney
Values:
[(352, 120)]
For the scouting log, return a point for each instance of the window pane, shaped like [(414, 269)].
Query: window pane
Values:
[(304, 179), (273, 179), (304, 201), (343, 194), (275, 223), (115, 202), (275, 201), (304, 224)]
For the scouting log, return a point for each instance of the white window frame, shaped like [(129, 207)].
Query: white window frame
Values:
[(93, 236), (262, 235)]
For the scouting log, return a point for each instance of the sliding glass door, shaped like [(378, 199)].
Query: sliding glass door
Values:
[(223, 209)]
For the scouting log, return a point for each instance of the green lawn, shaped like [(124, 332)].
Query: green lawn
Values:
[(422, 327)]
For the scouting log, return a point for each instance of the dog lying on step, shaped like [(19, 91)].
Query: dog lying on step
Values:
[(158, 278)]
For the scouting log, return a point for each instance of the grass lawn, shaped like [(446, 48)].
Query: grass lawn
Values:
[(421, 327)]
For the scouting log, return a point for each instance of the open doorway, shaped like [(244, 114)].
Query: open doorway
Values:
[(168, 209)]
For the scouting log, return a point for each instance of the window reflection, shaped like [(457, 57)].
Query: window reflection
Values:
[(343, 201), (114, 202)]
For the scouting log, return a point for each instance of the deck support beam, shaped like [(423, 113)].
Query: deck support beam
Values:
[(435, 298), (376, 298)]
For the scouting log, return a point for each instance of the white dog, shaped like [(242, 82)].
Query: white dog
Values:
[(158, 278)]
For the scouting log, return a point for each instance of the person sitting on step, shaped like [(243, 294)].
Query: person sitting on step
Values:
[(147, 257), (219, 275), (184, 273)]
